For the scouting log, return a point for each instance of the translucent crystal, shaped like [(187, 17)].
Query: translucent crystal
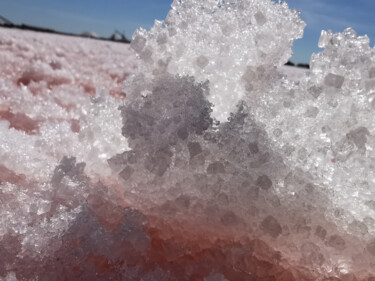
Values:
[(232, 37)]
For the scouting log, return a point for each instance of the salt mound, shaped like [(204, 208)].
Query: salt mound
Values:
[(216, 166), (218, 41)]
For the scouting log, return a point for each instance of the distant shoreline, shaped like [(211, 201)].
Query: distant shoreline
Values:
[(52, 31)]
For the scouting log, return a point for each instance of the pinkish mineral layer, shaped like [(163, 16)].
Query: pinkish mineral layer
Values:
[(210, 163)]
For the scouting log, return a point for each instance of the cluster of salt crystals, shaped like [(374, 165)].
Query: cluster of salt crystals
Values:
[(251, 185), (94, 143), (333, 106), (49, 109), (218, 41), (285, 156)]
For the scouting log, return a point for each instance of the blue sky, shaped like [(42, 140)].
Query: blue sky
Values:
[(331, 14), (105, 16)]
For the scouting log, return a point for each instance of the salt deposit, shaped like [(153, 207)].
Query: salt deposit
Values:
[(217, 165)]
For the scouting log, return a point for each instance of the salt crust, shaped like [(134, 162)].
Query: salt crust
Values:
[(216, 167)]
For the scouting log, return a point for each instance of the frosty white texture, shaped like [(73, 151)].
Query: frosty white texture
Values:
[(235, 171), (333, 140), (42, 86), (48, 110), (218, 41)]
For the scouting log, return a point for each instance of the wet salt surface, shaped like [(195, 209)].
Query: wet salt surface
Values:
[(160, 184)]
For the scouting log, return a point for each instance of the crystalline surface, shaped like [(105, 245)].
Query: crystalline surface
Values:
[(220, 163), (223, 42)]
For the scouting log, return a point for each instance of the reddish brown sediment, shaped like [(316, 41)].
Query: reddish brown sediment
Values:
[(236, 259), (20, 121), (193, 255), (88, 88), (51, 80), (7, 175), (74, 126)]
